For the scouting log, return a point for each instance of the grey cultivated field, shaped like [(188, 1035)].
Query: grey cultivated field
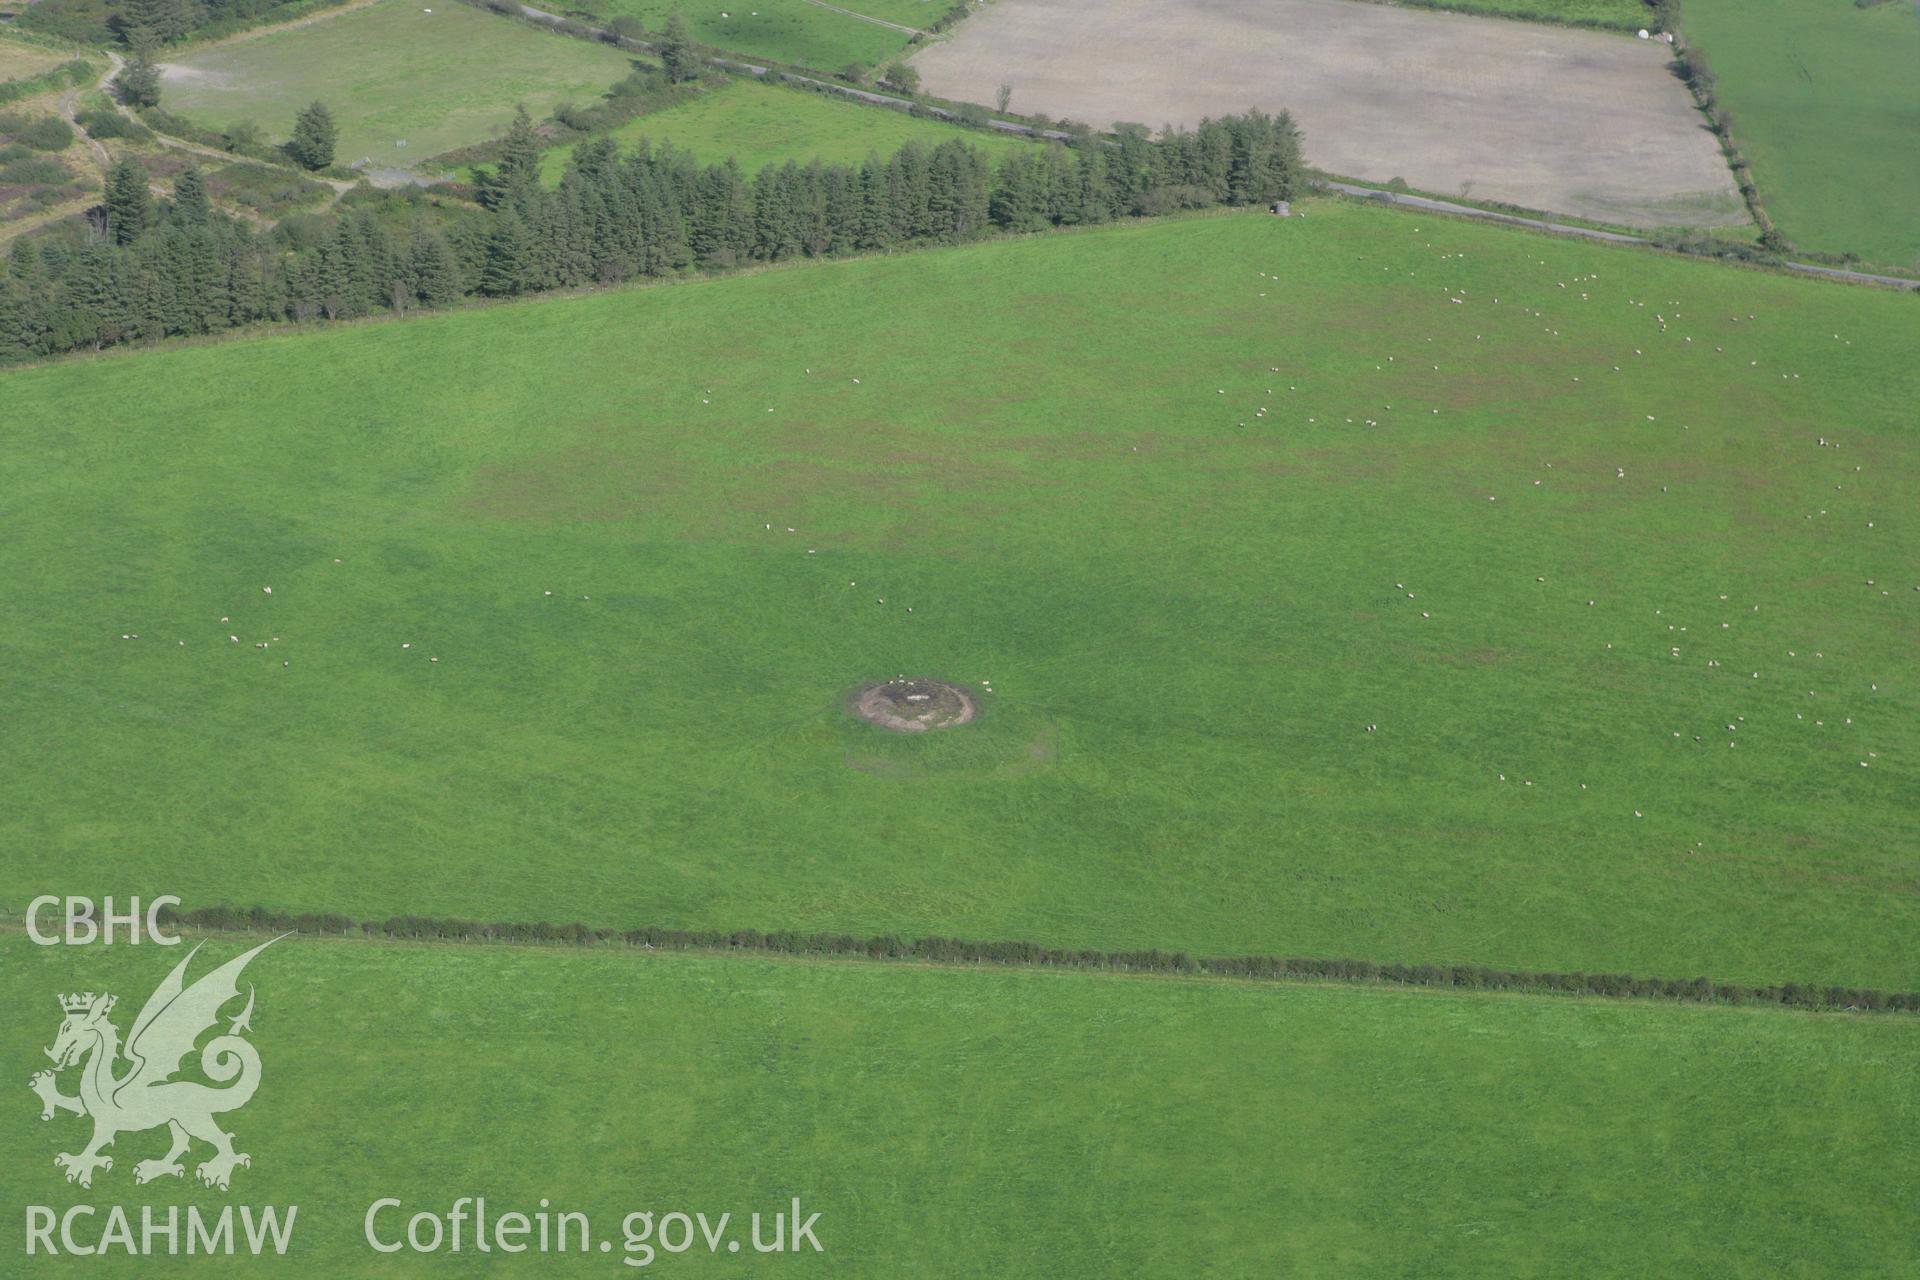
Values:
[(1575, 122)]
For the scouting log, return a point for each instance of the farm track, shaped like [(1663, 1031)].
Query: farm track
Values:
[(878, 22), (67, 107), (1591, 233), (340, 185)]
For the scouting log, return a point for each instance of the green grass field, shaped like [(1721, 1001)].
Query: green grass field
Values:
[(392, 73), (792, 31), (1826, 106), (1015, 1123), (22, 61), (760, 124), (1199, 501)]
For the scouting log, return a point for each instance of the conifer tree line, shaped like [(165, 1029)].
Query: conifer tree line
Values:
[(159, 268)]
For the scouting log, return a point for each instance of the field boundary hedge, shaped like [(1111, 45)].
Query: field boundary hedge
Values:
[(1690, 64), (939, 950)]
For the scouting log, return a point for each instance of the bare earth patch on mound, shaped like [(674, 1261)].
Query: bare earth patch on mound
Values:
[(913, 706)]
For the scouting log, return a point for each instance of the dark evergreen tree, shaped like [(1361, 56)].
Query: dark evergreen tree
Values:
[(739, 212), (138, 83), (505, 271), (840, 198), (97, 284), (1265, 155), (248, 296), (874, 229), (1131, 166), (709, 233), (597, 159), (203, 278), (509, 183), (159, 21), (676, 51), (128, 204), (15, 344), (1021, 196), (434, 271), (1094, 197), (776, 232), (910, 182), (1213, 160), (190, 206), (301, 281), (158, 308), (314, 136)]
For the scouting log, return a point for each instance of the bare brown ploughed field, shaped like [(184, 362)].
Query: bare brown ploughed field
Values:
[(1573, 122)]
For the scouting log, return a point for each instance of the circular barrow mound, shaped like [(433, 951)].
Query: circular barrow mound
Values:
[(913, 706)]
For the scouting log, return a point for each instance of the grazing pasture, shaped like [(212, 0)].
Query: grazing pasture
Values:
[(1578, 122), (760, 124), (22, 61), (402, 82), (1826, 104), (793, 31), (1014, 1123), (1360, 583)]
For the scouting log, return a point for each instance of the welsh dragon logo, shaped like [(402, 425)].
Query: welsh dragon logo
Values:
[(146, 1095)]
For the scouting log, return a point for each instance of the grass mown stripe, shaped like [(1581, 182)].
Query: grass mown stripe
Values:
[(939, 950)]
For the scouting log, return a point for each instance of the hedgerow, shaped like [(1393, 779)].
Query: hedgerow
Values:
[(961, 951)]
